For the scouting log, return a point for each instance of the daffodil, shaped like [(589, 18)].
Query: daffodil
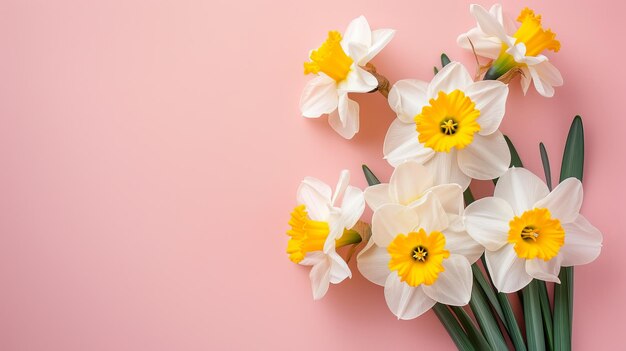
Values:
[(409, 185), (449, 125), (337, 65), (419, 258), (319, 225), (514, 48), (529, 232)]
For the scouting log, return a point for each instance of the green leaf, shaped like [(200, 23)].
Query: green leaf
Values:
[(444, 60), (502, 306), (460, 339), (516, 161), (435, 70), (477, 339), (546, 313), (532, 316), (369, 176), (468, 196), (574, 154), (511, 323), (571, 166), (546, 165), (488, 324)]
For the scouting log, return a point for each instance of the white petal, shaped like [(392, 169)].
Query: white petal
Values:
[(401, 144), (404, 301), (407, 98), (454, 285), (316, 202), (358, 31), (460, 243), (488, 23), (583, 242), (373, 263), (484, 46), (391, 220), (545, 76), (352, 206), (453, 76), (319, 97), (564, 201), (521, 189), (432, 216), (490, 99), (380, 39), (378, 195), (358, 81), (450, 196), (346, 120), (339, 269), (544, 270), (445, 169), (409, 181), (313, 258), (507, 270), (319, 186), (320, 278), (487, 221), (340, 188), (487, 157)]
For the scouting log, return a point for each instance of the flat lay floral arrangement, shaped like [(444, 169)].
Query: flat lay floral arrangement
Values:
[(430, 244)]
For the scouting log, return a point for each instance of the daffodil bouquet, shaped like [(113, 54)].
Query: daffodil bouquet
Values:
[(430, 244)]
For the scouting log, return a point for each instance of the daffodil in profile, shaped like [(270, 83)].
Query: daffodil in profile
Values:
[(450, 126), (337, 64), (514, 47), (419, 258), (321, 222), (530, 232)]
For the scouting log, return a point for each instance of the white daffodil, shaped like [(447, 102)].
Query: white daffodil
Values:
[(337, 64), (496, 38), (529, 232), (409, 185), (450, 126), (318, 227), (417, 257)]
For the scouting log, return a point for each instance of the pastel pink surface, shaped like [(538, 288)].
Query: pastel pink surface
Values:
[(151, 151)]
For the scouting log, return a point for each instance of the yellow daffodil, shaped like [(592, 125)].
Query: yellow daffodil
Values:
[(337, 65), (319, 225), (512, 47), (529, 232)]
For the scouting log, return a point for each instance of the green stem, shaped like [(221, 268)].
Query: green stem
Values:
[(458, 336), (532, 316)]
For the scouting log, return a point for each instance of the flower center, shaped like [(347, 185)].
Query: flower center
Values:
[(448, 121), (535, 234), (417, 257), (533, 35), (330, 59), (307, 235)]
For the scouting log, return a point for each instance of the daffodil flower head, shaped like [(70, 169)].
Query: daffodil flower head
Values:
[(450, 126), (337, 66), (318, 225), (530, 232), (420, 254), (513, 47)]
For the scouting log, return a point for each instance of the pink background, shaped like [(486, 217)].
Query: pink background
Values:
[(151, 150)]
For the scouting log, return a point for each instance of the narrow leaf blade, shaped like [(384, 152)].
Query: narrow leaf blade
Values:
[(369, 176)]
